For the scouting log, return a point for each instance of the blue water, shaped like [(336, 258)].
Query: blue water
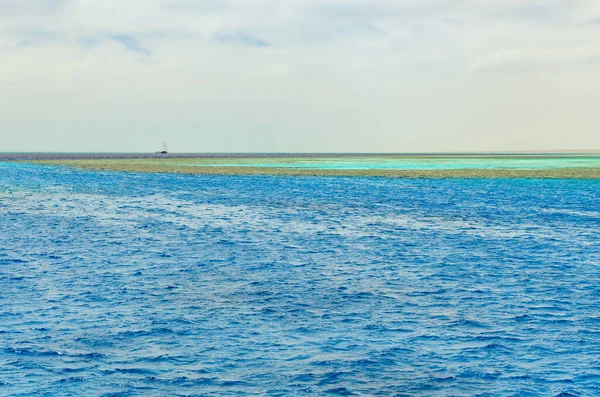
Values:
[(116, 284)]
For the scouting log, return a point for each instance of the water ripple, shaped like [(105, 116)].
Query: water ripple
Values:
[(120, 284)]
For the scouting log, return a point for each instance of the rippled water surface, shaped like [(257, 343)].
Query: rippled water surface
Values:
[(123, 284)]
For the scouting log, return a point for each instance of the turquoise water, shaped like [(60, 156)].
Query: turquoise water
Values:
[(125, 284), (452, 163)]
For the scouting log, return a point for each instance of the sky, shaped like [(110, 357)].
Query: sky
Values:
[(299, 76)]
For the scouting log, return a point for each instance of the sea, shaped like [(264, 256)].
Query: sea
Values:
[(132, 284)]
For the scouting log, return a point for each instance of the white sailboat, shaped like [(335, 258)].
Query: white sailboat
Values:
[(164, 149)]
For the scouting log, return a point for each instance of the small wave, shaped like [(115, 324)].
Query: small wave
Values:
[(138, 371), (469, 323), (163, 330), (181, 380), (18, 278), (332, 377), (31, 352), (134, 334), (5, 261), (307, 377), (71, 379), (91, 355), (523, 318), (396, 352), (42, 353), (340, 391), (233, 383), (383, 328), (479, 375)]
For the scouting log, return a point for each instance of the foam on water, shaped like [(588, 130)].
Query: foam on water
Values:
[(158, 284)]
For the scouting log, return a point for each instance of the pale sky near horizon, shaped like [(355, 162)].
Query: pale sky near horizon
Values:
[(299, 76)]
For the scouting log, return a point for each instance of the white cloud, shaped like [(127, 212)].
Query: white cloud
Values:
[(306, 75)]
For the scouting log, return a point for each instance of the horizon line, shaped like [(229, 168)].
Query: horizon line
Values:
[(562, 151)]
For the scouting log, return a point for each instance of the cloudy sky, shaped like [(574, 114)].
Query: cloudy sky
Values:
[(299, 75)]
